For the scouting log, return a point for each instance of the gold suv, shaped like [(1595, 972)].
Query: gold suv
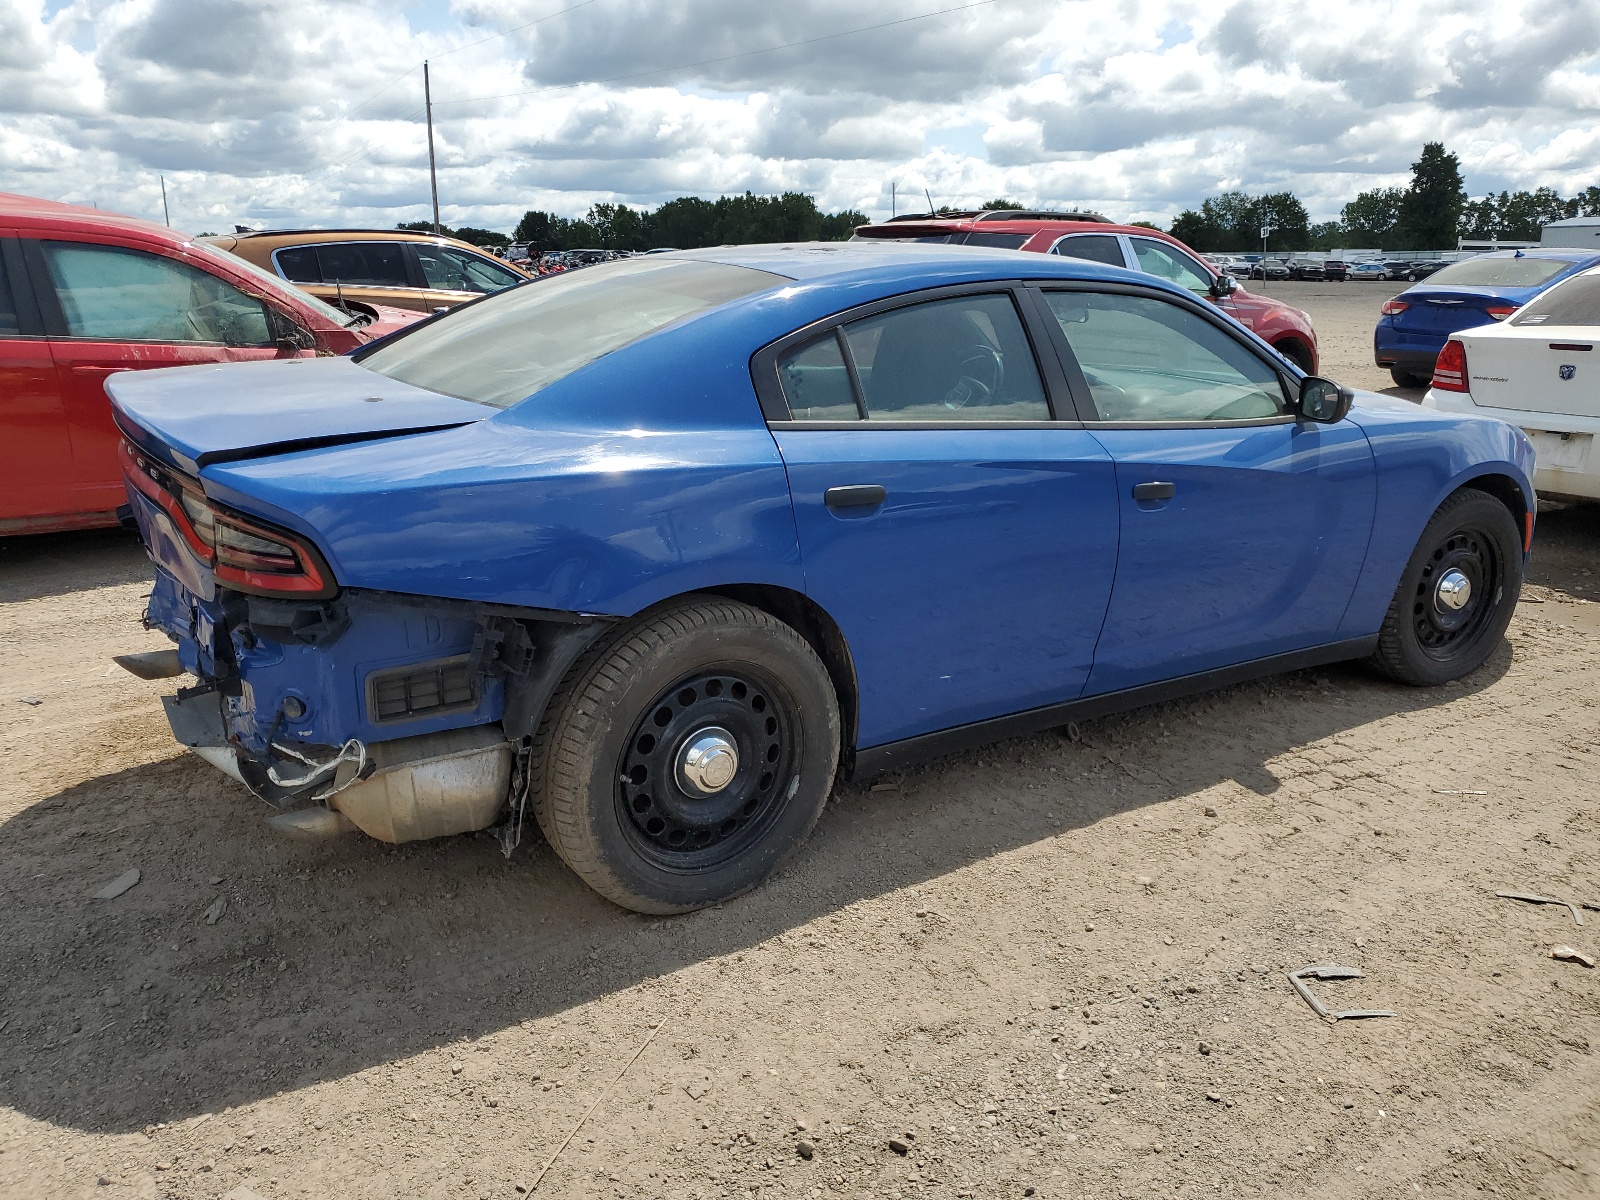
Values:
[(379, 266)]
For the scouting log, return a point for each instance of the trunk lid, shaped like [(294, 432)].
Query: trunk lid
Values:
[(1445, 310), (1545, 369), (195, 416)]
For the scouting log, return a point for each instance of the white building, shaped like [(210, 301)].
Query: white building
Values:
[(1583, 232)]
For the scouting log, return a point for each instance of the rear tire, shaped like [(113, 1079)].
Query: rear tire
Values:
[(611, 765), (1432, 635), (1406, 379)]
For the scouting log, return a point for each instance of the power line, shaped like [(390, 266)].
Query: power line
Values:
[(515, 29), (706, 62)]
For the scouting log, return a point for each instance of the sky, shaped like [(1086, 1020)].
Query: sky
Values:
[(310, 112)]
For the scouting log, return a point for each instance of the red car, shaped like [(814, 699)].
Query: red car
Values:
[(1092, 237), (86, 293)]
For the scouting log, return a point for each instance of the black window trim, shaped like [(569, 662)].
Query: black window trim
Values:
[(24, 294), (1080, 386), (1057, 389)]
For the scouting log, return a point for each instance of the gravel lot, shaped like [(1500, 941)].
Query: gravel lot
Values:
[(1053, 967)]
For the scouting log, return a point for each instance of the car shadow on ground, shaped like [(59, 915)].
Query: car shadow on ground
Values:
[(56, 564), (243, 965)]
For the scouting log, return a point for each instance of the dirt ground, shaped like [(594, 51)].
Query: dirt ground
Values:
[(1049, 968)]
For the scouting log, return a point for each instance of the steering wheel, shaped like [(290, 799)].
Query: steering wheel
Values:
[(979, 377)]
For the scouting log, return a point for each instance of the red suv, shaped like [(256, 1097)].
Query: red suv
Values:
[(85, 293), (1091, 236)]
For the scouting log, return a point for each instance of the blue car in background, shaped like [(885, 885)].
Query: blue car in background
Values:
[(1414, 326), (654, 552)]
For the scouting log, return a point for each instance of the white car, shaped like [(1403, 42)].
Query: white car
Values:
[(1539, 370)]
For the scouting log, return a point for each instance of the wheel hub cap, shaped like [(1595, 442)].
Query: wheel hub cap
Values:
[(1452, 592), (708, 761)]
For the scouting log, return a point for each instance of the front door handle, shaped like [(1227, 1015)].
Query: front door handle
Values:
[(1154, 491), (856, 495)]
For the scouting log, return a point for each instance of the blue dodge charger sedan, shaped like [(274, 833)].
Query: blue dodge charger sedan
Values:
[(653, 552)]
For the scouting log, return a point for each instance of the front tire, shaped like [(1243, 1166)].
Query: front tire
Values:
[(1456, 596), (686, 758)]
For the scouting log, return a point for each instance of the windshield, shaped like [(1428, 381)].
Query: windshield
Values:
[(505, 348), (334, 317), (1571, 302), (1500, 272)]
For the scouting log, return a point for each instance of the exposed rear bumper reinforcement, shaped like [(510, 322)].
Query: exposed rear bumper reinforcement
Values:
[(403, 790)]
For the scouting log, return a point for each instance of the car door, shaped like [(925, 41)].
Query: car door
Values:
[(1243, 528), (35, 449), (454, 275), (963, 539), (109, 308)]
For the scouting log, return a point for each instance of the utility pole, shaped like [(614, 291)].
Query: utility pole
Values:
[(165, 211), (1266, 231), (893, 212), (433, 170)]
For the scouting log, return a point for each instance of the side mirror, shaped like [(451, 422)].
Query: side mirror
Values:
[(1323, 400), (1223, 286)]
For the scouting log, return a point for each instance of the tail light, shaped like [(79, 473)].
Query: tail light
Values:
[(245, 554), (1450, 369), (1500, 311), (1393, 308)]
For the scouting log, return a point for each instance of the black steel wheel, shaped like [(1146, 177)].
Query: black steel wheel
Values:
[(1456, 595), (686, 756), (707, 768)]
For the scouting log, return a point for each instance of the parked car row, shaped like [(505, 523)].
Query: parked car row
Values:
[(85, 295)]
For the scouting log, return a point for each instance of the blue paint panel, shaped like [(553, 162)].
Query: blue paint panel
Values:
[(979, 585), (1421, 457), (1256, 553)]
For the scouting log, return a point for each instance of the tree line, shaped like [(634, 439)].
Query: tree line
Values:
[(689, 222), (1429, 214)]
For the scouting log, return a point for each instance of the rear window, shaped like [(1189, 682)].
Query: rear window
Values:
[(507, 347), (1499, 272), (1571, 302), (999, 241)]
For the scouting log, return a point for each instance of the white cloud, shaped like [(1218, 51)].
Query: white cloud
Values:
[(309, 110)]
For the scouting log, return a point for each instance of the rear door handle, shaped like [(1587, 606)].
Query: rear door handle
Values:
[(1154, 491), (856, 495)]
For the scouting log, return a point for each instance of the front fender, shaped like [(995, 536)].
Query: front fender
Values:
[(1421, 456)]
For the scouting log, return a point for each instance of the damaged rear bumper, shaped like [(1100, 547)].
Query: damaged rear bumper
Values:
[(401, 790)]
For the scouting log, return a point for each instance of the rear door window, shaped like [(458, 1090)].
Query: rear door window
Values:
[(1095, 247), (363, 264), (452, 270), (112, 293), (298, 264), (962, 359)]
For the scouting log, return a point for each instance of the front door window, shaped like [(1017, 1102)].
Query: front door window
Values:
[(1164, 262)]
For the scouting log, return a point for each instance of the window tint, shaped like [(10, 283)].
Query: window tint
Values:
[(455, 270), (122, 295), (505, 348), (964, 359), (816, 383), (998, 241), (1492, 272), (1157, 259), (9, 327), (1147, 360), (1574, 301), (363, 264), (1096, 247), (299, 264)]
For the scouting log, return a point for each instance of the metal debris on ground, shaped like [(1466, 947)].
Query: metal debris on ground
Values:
[(589, 1112), (1529, 898), (1458, 792), (1299, 977), (1568, 954), (118, 885), (30, 701)]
